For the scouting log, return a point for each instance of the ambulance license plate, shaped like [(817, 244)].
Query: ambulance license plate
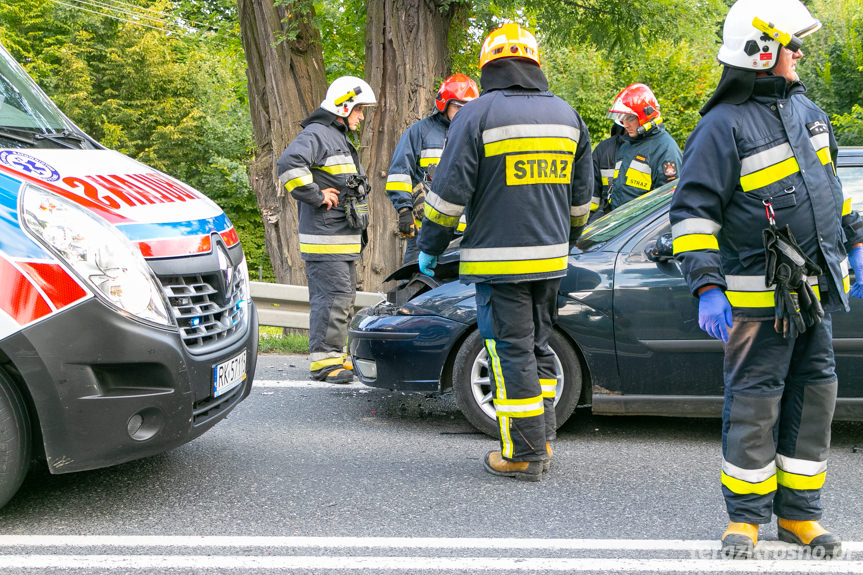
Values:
[(229, 374)]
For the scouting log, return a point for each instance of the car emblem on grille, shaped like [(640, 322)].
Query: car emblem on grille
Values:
[(226, 270)]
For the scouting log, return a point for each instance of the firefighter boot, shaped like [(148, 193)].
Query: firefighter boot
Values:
[(546, 465), (738, 541), (811, 536), (334, 374), (348, 363), (523, 470)]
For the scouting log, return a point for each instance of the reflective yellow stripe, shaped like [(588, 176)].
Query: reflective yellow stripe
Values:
[(438, 217), (824, 156), (693, 242), (297, 182), (399, 187), (795, 481), (330, 249), (506, 444), (316, 365), (580, 220), (758, 298), (846, 207), (529, 407), (426, 162), (461, 227), (745, 488), (512, 267), (530, 145), (338, 169), (846, 283), (768, 175), (548, 387)]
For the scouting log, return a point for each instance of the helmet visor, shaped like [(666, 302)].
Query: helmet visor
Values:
[(621, 117)]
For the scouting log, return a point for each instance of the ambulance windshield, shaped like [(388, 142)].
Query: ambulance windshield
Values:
[(28, 118)]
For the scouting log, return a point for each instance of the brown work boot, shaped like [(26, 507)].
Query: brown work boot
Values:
[(546, 465), (811, 536), (523, 470), (739, 540)]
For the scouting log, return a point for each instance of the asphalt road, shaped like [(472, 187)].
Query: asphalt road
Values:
[(308, 478)]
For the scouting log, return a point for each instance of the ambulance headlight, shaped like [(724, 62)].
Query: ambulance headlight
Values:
[(99, 253)]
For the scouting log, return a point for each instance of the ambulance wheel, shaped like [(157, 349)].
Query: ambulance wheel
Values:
[(472, 383), (15, 439)]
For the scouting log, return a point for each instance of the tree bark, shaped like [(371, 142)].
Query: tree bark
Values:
[(287, 81), (407, 56)]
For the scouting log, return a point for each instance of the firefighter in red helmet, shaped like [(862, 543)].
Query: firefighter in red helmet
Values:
[(418, 150)]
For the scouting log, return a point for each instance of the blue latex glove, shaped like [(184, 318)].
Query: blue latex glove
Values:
[(714, 313), (427, 263), (855, 257)]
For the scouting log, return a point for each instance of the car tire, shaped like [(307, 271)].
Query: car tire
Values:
[(472, 385), (15, 439)]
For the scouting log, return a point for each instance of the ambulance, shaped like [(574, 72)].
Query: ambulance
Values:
[(126, 322)]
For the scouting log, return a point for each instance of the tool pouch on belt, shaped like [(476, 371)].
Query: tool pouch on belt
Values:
[(356, 201), (788, 268)]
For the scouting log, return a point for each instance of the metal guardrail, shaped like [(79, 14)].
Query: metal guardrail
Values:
[(283, 305)]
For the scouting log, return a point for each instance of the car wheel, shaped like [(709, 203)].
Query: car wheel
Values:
[(472, 385), (15, 439)]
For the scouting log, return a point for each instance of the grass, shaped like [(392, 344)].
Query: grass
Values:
[(274, 340)]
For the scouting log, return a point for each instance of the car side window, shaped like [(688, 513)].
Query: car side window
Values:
[(852, 184)]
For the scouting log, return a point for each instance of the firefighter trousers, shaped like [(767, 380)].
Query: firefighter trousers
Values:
[(515, 320), (332, 289), (779, 400)]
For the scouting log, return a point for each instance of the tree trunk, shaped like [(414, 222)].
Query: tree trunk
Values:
[(407, 56), (287, 81)]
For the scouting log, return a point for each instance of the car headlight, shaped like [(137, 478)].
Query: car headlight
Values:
[(99, 253)]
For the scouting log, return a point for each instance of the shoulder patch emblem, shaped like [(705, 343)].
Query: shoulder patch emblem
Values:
[(669, 169)]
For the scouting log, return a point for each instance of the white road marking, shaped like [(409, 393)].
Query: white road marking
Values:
[(407, 564), (308, 384), (277, 542)]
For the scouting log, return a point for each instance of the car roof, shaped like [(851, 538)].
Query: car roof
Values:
[(850, 156)]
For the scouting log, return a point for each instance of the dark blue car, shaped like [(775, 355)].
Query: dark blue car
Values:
[(627, 340)]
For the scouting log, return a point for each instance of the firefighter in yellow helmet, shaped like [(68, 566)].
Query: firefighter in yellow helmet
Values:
[(518, 163), (763, 233)]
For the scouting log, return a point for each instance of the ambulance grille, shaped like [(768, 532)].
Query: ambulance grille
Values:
[(208, 317)]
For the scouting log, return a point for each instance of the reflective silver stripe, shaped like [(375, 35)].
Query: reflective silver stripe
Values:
[(766, 159), (400, 178), (800, 466), (514, 253), (607, 173), (640, 167), (431, 153), (843, 267), (443, 206), (576, 211), (531, 131), (508, 406), (293, 174), (755, 283), (329, 240), (749, 475), (319, 355), (695, 226), (820, 141), (339, 160)]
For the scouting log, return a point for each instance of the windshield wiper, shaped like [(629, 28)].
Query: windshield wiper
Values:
[(16, 138), (59, 138)]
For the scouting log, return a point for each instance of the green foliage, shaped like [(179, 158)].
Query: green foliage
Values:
[(342, 27), (171, 93), (833, 66), (275, 340)]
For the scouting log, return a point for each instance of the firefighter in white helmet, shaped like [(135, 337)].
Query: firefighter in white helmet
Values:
[(763, 233), (321, 170)]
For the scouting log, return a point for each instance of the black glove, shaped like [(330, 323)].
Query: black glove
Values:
[(788, 320), (406, 223), (788, 267)]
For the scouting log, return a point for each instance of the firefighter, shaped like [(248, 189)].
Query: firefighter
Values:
[(419, 148), (604, 160), (648, 156), (763, 231), (518, 163), (322, 171)]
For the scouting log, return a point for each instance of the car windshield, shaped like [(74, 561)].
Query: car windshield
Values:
[(619, 220), (28, 118)]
